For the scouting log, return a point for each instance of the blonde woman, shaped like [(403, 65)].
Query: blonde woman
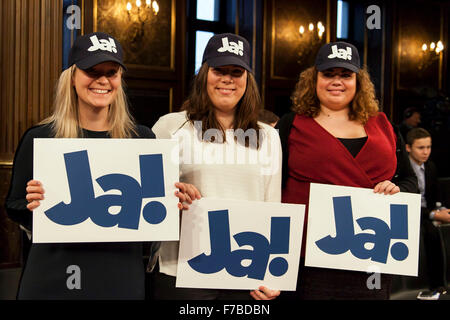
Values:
[(89, 103)]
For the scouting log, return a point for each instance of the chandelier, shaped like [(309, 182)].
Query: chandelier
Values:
[(310, 39), (429, 54)]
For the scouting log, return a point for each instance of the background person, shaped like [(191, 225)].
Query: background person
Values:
[(411, 119), (224, 97), (336, 135), (268, 117), (419, 148)]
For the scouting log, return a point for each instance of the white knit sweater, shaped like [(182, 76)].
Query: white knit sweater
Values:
[(221, 170)]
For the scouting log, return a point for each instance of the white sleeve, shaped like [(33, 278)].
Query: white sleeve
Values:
[(168, 127), (272, 179), (161, 129), (169, 124)]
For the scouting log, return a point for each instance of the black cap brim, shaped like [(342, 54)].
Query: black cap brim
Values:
[(338, 64), (93, 60), (227, 61)]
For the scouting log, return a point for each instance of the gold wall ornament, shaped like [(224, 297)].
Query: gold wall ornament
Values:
[(310, 40), (149, 44), (140, 14), (429, 54)]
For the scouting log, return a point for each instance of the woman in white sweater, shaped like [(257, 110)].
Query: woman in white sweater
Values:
[(224, 151)]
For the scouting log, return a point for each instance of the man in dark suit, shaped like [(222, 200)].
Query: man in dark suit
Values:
[(418, 144)]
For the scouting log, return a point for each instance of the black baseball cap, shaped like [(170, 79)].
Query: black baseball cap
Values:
[(227, 49), (91, 49), (338, 55)]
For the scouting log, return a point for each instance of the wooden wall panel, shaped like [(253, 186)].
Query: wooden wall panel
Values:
[(420, 79), (417, 76), (153, 53), (286, 52), (148, 43), (291, 51), (419, 24), (10, 250), (149, 99), (30, 63)]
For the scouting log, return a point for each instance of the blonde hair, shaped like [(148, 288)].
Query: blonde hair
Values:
[(64, 119), (305, 101)]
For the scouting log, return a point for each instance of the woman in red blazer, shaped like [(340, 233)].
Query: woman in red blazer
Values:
[(336, 135)]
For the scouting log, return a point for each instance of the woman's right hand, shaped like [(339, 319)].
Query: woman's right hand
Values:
[(35, 193), (386, 187), (187, 193)]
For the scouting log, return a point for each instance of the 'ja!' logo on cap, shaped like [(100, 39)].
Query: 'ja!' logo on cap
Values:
[(345, 54), (102, 44), (233, 47)]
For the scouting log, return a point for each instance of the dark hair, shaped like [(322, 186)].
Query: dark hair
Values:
[(200, 108), (267, 116), (409, 112), (416, 133), (305, 100)]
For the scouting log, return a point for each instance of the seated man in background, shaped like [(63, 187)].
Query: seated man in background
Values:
[(418, 145), (411, 119), (268, 117)]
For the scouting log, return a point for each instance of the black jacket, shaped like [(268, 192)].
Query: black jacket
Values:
[(431, 189)]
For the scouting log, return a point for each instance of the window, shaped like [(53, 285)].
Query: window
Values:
[(205, 18), (201, 39), (208, 10), (342, 20)]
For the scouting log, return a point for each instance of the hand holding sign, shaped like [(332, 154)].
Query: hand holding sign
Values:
[(386, 187), (187, 193), (264, 293), (35, 193)]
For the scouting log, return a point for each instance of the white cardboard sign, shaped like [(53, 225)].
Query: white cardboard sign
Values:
[(106, 190), (356, 229), (235, 244)]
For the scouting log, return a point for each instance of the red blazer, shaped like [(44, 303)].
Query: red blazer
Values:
[(317, 156)]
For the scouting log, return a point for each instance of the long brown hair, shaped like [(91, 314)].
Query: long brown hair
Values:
[(199, 106), (305, 101)]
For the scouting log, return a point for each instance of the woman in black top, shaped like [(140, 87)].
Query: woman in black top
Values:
[(89, 103)]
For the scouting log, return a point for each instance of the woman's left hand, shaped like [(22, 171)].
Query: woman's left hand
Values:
[(386, 187), (187, 193), (264, 293)]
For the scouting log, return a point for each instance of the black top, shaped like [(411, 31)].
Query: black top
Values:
[(107, 270), (353, 145)]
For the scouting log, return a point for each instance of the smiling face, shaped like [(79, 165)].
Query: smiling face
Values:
[(97, 87), (225, 86), (336, 88)]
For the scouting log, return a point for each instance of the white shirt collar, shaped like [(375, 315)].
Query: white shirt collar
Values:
[(415, 165)]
